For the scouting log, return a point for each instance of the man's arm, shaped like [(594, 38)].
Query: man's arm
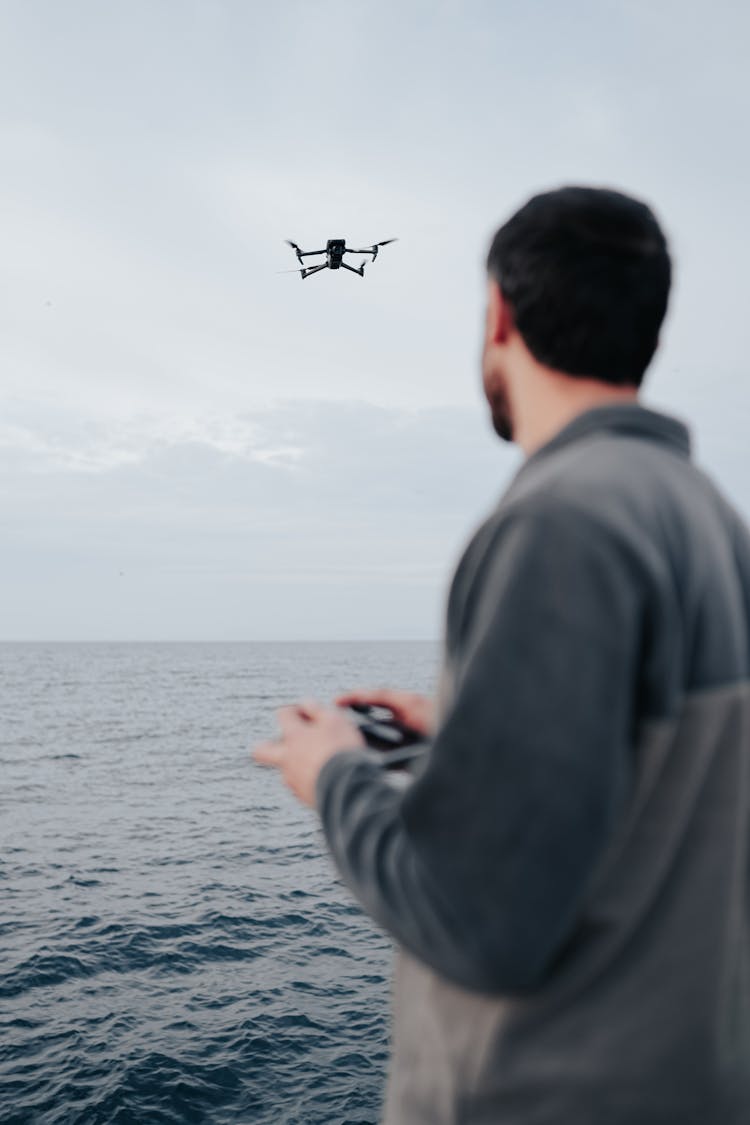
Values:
[(478, 869)]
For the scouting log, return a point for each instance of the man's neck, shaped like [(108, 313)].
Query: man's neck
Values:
[(556, 401)]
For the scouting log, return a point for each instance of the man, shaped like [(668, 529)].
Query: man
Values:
[(567, 876)]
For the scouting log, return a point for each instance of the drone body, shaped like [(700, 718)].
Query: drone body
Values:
[(334, 252)]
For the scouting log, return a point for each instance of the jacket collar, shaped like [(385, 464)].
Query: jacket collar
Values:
[(629, 419)]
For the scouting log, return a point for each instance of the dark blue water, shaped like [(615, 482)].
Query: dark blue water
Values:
[(174, 943)]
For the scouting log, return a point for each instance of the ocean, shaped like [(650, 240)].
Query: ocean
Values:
[(175, 944)]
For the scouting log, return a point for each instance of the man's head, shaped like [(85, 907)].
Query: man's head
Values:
[(578, 288)]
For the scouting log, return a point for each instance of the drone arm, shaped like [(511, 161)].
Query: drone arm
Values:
[(302, 253), (370, 250), (359, 272)]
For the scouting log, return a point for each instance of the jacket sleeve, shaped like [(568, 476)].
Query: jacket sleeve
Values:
[(479, 867)]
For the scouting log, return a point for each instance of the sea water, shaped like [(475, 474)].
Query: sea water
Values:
[(175, 945)]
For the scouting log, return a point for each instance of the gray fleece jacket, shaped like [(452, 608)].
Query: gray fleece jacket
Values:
[(567, 875)]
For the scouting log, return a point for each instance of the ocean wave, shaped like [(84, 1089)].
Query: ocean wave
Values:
[(175, 944)]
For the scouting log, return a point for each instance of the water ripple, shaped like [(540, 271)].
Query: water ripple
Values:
[(175, 946)]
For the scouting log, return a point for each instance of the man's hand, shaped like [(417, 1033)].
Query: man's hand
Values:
[(310, 735), (413, 710)]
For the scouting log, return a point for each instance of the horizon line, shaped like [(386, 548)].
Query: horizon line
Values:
[(220, 641)]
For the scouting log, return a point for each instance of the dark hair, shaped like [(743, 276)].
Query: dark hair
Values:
[(586, 272)]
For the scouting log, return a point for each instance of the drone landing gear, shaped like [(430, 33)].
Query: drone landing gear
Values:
[(360, 271), (313, 269)]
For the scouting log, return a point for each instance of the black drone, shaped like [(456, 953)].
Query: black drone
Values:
[(334, 252)]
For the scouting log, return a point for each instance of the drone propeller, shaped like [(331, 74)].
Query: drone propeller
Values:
[(293, 245), (385, 242)]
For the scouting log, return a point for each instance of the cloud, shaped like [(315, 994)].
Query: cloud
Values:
[(259, 455), (242, 527)]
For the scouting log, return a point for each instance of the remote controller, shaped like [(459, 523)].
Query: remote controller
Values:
[(395, 742)]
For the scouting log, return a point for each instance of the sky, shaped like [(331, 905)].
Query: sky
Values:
[(197, 446)]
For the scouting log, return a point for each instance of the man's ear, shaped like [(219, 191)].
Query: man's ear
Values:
[(499, 315)]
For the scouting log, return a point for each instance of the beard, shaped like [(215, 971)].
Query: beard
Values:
[(496, 393), (502, 418)]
